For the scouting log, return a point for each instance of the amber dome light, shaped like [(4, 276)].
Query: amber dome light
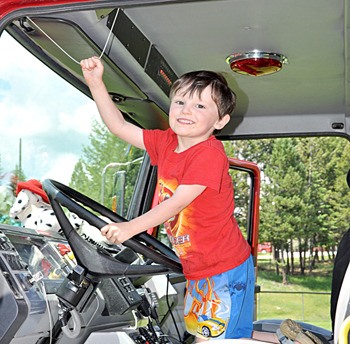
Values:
[(256, 63)]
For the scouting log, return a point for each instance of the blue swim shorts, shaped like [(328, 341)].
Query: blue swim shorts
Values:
[(221, 306)]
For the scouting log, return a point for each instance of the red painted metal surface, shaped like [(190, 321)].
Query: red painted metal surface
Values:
[(256, 199), (9, 6)]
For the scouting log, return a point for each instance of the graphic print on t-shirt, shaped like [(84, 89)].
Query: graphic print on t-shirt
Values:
[(178, 236)]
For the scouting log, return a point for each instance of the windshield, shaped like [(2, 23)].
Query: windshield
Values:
[(53, 131)]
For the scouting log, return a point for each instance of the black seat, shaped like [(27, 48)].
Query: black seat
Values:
[(341, 264)]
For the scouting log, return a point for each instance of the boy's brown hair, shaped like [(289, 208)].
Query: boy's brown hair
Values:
[(197, 81)]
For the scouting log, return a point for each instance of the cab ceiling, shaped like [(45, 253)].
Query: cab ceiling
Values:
[(308, 96)]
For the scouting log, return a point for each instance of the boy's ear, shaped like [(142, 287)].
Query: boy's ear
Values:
[(222, 122)]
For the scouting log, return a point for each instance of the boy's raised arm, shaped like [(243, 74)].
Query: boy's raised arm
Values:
[(93, 70)]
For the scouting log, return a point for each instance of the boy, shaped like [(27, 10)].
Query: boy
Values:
[(196, 200)]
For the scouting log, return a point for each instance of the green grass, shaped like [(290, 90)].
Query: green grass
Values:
[(295, 300)]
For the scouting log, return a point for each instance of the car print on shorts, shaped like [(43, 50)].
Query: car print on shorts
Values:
[(210, 327)]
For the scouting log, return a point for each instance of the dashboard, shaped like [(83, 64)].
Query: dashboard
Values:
[(35, 281)]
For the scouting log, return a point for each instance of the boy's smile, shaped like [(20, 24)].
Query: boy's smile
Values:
[(194, 118), (184, 121)]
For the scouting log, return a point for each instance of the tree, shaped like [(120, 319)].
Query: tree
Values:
[(311, 151), (19, 173), (334, 159), (282, 200)]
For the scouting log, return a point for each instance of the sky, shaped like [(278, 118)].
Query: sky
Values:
[(52, 118)]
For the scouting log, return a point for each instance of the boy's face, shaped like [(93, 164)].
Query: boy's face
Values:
[(195, 117)]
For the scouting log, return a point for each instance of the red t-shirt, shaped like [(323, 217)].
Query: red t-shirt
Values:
[(205, 235)]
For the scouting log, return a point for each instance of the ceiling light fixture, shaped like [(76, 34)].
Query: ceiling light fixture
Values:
[(256, 63)]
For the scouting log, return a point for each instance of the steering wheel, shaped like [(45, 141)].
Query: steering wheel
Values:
[(98, 262)]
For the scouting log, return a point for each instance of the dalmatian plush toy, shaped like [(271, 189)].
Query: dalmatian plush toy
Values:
[(32, 208)]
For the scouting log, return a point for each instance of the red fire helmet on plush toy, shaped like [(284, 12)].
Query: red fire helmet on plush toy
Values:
[(35, 186)]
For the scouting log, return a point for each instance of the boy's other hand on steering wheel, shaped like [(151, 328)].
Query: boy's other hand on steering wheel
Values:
[(117, 233)]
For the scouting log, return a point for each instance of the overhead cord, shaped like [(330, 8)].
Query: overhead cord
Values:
[(64, 51)]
